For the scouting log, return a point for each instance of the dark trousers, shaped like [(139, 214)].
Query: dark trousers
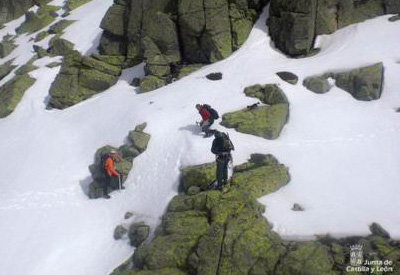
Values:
[(222, 169), (110, 182)]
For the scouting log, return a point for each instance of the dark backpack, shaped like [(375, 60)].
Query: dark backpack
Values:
[(214, 114), (227, 144)]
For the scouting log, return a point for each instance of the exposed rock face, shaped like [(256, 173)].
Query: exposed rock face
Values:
[(317, 84), (293, 25), (265, 121), (288, 77), (12, 91), (12, 9), (6, 46), (364, 83), (168, 33), (79, 77), (137, 143), (214, 232), (6, 68), (35, 21)]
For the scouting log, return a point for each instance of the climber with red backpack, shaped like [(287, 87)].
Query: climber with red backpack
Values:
[(208, 115), (113, 176)]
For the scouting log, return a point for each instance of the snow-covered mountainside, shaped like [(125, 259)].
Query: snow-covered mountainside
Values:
[(343, 155)]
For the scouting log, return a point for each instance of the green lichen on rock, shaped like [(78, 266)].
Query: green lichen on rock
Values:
[(41, 35), (150, 83), (12, 9), (6, 46), (293, 25), (263, 121), (59, 46), (167, 34), (73, 4), (28, 67), (36, 21), (200, 175), (269, 94), (124, 165), (364, 83), (288, 77), (80, 78), (12, 92), (261, 175), (6, 68), (60, 26), (317, 84), (138, 233), (312, 257)]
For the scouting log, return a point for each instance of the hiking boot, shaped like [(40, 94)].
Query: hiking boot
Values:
[(106, 196)]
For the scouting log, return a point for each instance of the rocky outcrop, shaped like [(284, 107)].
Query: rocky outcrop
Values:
[(137, 143), (293, 25), (12, 9), (317, 84), (12, 92), (365, 83), (80, 77), (265, 121), (35, 21), (288, 77), (6, 68), (7, 46), (224, 232), (167, 34)]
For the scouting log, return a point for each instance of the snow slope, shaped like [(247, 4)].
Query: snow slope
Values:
[(343, 154)]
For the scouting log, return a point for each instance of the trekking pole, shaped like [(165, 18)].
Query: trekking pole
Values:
[(119, 181)]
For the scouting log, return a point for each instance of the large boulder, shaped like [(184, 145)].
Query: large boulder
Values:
[(263, 121), (35, 21), (293, 25), (269, 94), (199, 175), (12, 9), (12, 91), (364, 83), (167, 34), (79, 77), (317, 84), (138, 233)]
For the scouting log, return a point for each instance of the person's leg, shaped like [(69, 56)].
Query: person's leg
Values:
[(225, 170), (106, 183), (220, 167)]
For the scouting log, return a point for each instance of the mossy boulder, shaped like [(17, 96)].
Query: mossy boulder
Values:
[(59, 46), (139, 139), (317, 84), (309, 257), (150, 83), (6, 68), (35, 21), (60, 26), (138, 233), (294, 25), (80, 78), (6, 47), (41, 35), (123, 165), (364, 83), (269, 94), (288, 77), (263, 121), (199, 175), (170, 34), (12, 92), (185, 70), (261, 175)]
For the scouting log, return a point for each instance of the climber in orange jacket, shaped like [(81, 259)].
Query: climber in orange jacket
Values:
[(113, 177)]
